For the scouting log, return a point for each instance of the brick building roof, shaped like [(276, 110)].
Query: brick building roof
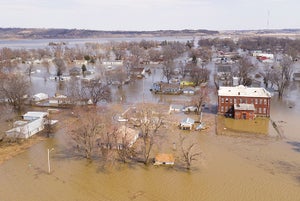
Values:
[(244, 91)]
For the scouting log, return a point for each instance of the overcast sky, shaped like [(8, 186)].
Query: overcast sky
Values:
[(144, 15)]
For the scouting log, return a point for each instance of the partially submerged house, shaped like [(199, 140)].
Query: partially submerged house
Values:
[(59, 100), (187, 124), (296, 76), (175, 108), (40, 97), (164, 159), (245, 102), (166, 88), (32, 123), (75, 71), (188, 91), (123, 136)]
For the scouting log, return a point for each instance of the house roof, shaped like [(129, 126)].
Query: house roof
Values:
[(126, 133), (243, 106), (244, 91), (188, 121), (35, 114), (40, 96), (161, 157), (176, 107)]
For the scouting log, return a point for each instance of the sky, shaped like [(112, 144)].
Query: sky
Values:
[(150, 15)]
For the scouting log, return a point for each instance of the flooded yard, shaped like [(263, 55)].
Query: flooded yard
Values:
[(249, 167), (230, 168)]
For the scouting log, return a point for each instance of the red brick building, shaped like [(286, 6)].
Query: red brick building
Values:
[(243, 102)]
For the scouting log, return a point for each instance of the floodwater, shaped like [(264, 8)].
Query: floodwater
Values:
[(247, 168), (229, 169)]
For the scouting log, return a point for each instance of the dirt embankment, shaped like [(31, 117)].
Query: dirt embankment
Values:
[(9, 150)]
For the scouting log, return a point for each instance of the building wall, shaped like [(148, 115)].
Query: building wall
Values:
[(243, 114), (261, 105)]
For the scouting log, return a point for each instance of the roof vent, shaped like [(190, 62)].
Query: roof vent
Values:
[(239, 93)]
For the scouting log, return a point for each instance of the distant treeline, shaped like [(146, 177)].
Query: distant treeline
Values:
[(28, 33)]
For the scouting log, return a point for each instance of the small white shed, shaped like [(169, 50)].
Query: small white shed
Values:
[(33, 123), (40, 97), (187, 124), (29, 116)]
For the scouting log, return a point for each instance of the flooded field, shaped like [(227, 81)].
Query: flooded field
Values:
[(230, 168), (237, 167), (251, 167)]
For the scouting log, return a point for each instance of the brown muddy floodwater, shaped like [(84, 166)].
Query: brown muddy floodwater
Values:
[(231, 168)]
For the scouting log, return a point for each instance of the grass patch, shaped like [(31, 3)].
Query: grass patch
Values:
[(258, 126)]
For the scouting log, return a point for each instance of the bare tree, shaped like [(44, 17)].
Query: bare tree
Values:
[(172, 51), (281, 75), (188, 152), (86, 129), (125, 150), (30, 69), (168, 70), (200, 97), (266, 74), (60, 66), (154, 55), (199, 75), (244, 68), (14, 88), (149, 121), (95, 90), (137, 54)]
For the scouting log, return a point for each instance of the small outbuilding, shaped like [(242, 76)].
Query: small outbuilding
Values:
[(32, 123), (187, 124), (29, 116), (164, 159), (40, 97), (175, 108)]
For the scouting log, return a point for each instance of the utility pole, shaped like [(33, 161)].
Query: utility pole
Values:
[(49, 168)]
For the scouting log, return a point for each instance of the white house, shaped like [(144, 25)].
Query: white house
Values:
[(175, 108), (124, 136), (29, 116), (187, 124), (32, 123), (40, 97), (112, 63)]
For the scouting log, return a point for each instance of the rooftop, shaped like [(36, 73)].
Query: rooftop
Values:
[(244, 91), (161, 157), (247, 107)]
